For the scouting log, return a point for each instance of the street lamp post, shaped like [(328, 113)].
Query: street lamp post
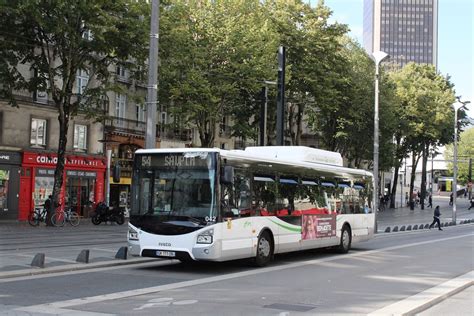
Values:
[(263, 112), (378, 56), (108, 151), (457, 106)]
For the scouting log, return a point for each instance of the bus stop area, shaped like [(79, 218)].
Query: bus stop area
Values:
[(89, 246)]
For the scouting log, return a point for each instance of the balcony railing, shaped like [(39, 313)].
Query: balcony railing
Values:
[(118, 124), (184, 135)]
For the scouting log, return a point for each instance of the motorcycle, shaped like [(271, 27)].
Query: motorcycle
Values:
[(103, 213)]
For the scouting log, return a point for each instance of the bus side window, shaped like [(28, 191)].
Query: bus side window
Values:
[(263, 196)]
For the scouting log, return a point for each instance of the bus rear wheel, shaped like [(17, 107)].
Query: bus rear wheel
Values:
[(345, 243), (264, 250)]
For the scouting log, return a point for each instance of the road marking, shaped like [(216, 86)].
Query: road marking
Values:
[(46, 308), (423, 300)]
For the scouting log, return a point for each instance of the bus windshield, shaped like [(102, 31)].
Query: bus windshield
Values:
[(177, 189)]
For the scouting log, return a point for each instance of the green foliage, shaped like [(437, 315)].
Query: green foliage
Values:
[(426, 105), (214, 57), (465, 148), (56, 39)]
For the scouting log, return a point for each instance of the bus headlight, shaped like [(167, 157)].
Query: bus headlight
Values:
[(205, 237), (132, 234)]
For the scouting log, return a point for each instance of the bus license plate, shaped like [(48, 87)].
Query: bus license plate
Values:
[(165, 253)]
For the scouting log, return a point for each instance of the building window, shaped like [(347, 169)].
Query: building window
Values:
[(81, 81), (120, 104), (38, 133), (80, 137), (122, 73), (140, 113)]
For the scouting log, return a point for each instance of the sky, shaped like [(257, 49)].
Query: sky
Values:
[(455, 39)]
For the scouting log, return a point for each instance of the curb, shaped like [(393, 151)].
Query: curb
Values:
[(71, 267), (428, 298), (396, 228)]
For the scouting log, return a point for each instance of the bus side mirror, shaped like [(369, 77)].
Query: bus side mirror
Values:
[(227, 175), (116, 173)]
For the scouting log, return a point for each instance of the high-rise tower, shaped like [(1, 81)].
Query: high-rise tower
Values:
[(405, 29)]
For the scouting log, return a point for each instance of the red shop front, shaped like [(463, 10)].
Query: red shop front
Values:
[(83, 182)]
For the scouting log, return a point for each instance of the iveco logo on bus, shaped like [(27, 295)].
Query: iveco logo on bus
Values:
[(164, 244)]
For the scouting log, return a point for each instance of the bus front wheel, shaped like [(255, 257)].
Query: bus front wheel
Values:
[(264, 250), (345, 243)]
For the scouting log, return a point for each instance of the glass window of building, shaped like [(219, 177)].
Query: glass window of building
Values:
[(81, 81), (38, 133), (122, 72), (140, 112), (4, 177), (80, 137), (120, 104)]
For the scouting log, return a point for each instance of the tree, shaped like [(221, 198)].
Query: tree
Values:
[(465, 148), (313, 58), (425, 112), (56, 39), (214, 58)]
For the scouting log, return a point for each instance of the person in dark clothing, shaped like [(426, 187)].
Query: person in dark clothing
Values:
[(472, 204), (47, 203), (451, 199), (430, 201), (436, 216), (49, 210)]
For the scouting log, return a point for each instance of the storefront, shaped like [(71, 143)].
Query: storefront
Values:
[(10, 163), (83, 182)]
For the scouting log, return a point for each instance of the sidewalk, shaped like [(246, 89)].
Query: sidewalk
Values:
[(404, 216)]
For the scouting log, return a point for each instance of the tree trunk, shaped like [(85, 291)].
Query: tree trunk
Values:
[(423, 175), (394, 187), (415, 159), (299, 124), (395, 176), (63, 119)]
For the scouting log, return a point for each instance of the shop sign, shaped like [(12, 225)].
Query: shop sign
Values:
[(10, 158), (45, 172), (71, 161), (81, 174)]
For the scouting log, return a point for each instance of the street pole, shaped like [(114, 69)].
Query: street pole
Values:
[(378, 57), (263, 112), (263, 116), (469, 177), (150, 137), (281, 97), (457, 106), (107, 177), (401, 190), (432, 173)]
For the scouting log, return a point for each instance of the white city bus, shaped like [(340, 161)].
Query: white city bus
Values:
[(216, 205)]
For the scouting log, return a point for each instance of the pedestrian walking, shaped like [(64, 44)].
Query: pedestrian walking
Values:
[(451, 199), (436, 216), (472, 204), (406, 198), (430, 201)]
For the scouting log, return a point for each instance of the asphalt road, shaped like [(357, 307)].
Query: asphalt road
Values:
[(375, 275)]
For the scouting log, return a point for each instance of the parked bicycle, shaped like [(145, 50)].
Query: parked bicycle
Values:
[(60, 217), (36, 216)]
